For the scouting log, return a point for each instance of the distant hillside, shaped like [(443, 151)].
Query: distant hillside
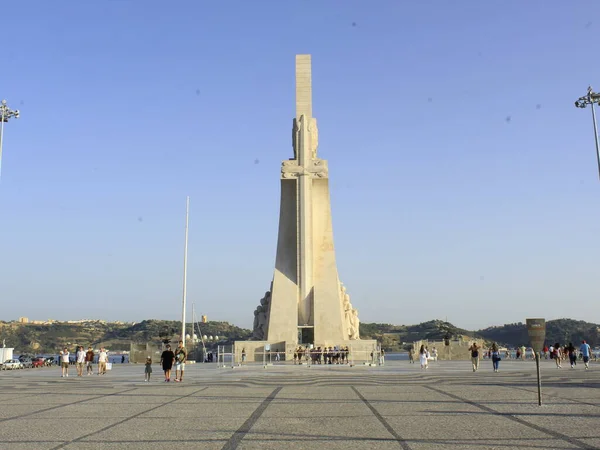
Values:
[(32, 338), (515, 334), (559, 330), (392, 337)]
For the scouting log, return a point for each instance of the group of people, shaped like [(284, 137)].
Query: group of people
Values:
[(561, 353), (424, 356), (557, 352), (168, 358), (83, 359), (492, 353), (325, 355)]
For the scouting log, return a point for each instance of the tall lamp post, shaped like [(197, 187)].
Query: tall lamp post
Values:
[(5, 114), (582, 102)]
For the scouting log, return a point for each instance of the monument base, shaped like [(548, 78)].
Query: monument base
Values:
[(360, 351)]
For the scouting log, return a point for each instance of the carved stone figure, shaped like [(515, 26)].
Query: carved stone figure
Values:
[(351, 322), (314, 136), (354, 325), (260, 317), (295, 140)]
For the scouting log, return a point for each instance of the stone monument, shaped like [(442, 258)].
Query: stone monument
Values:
[(306, 304)]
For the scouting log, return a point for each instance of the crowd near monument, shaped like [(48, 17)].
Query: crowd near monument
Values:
[(306, 304)]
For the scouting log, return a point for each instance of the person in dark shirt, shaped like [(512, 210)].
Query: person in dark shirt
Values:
[(166, 359), (89, 359)]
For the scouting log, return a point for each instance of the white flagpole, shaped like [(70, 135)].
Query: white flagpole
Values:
[(185, 257)]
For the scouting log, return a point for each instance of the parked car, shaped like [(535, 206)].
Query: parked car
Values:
[(26, 362), (38, 362), (11, 364)]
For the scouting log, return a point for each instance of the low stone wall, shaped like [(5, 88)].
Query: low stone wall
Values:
[(458, 350)]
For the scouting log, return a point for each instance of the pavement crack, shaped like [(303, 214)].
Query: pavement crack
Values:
[(241, 432), (381, 419)]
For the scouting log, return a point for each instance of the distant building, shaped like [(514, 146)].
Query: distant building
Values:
[(204, 319), (23, 320)]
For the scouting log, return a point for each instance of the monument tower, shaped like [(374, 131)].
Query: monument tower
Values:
[(307, 303)]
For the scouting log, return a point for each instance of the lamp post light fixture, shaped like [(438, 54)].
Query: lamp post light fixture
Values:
[(5, 114), (582, 102)]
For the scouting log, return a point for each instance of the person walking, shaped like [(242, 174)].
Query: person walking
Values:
[(411, 355), (423, 357), (571, 352), (102, 360), (557, 355), (89, 360), (64, 362), (586, 352), (495, 357), (474, 349), (180, 358), (166, 360), (80, 360), (148, 369)]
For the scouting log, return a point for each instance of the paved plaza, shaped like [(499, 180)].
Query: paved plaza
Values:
[(299, 407)]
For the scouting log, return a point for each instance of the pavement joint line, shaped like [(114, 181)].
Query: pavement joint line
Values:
[(6, 419), (381, 419), (548, 431), (581, 402), (78, 439), (236, 438)]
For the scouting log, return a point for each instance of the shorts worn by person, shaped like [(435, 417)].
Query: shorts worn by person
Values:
[(89, 359), (102, 360), (586, 353), (80, 361), (64, 362), (180, 358)]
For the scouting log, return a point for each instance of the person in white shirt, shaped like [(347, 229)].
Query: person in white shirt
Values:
[(102, 360), (80, 361), (64, 362)]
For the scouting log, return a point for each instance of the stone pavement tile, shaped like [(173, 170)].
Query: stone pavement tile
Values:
[(320, 444), (54, 429), (548, 409), (483, 443), (93, 411), (486, 392), (146, 445), (152, 429), (415, 408), (320, 428), (8, 411), (52, 399), (217, 395), (445, 425), (387, 393), (321, 393), (593, 441), (311, 408), (138, 397), (28, 445), (573, 425), (199, 408), (573, 392)]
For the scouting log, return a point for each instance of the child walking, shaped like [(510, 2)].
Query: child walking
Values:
[(148, 369)]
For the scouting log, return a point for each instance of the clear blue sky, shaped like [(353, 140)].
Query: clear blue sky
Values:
[(463, 180)]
